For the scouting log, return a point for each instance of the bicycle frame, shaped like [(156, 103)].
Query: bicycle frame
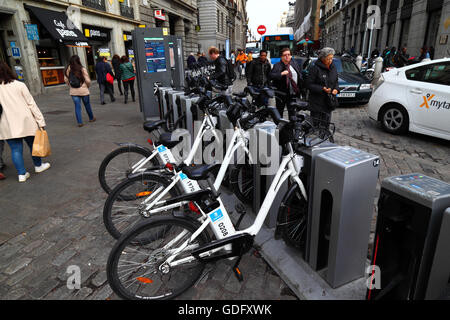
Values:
[(290, 167)]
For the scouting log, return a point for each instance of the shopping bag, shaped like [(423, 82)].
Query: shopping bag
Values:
[(41, 145)]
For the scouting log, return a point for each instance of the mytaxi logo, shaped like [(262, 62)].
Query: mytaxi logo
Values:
[(429, 101), (426, 100)]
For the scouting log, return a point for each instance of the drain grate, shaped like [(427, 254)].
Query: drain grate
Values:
[(56, 112)]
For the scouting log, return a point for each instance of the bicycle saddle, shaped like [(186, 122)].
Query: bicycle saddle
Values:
[(240, 94), (200, 172), (153, 125), (300, 105), (166, 140)]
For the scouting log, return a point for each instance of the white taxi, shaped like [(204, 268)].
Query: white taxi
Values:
[(414, 98)]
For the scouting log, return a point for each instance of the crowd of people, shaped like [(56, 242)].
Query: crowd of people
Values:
[(21, 118)]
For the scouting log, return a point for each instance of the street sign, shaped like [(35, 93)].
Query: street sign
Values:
[(15, 52), (159, 14), (32, 32), (261, 30)]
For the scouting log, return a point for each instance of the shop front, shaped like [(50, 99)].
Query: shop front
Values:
[(100, 46), (128, 42), (57, 35)]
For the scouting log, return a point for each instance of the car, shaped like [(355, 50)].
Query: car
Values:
[(354, 87), (414, 98)]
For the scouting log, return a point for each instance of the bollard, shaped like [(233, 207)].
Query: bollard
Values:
[(359, 62), (377, 69)]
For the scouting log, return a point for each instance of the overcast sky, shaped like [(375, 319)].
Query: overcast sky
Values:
[(265, 12)]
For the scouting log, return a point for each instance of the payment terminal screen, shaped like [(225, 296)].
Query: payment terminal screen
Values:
[(155, 54)]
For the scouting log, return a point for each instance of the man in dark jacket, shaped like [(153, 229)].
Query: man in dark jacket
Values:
[(202, 61), (102, 68), (287, 78), (402, 58), (257, 73), (322, 80), (191, 61), (220, 74)]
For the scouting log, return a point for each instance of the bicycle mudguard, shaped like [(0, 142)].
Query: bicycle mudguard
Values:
[(278, 228), (125, 144)]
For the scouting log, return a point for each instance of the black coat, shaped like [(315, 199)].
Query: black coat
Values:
[(116, 65), (258, 73), (102, 68), (320, 76), (220, 73), (279, 81)]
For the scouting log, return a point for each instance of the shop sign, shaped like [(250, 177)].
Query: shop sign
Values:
[(165, 31), (127, 37), (104, 52), (51, 77), (97, 33), (130, 53), (159, 14), (63, 30), (32, 31)]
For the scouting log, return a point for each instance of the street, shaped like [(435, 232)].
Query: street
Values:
[(54, 220)]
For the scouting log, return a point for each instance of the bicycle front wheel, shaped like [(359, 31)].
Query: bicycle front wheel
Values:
[(136, 268), (241, 181), (119, 215), (119, 164)]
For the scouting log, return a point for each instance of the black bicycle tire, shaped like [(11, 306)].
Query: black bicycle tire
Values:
[(288, 221), (234, 183), (115, 193), (115, 153), (113, 259)]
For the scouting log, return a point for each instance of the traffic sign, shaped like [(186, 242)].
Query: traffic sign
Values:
[(261, 30)]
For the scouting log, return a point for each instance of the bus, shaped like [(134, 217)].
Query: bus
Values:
[(275, 41)]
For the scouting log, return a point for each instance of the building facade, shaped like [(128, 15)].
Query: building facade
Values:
[(33, 35), (222, 22), (179, 16), (307, 17), (410, 23)]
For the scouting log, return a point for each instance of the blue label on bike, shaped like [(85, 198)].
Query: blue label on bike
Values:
[(216, 215), (183, 176), (162, 148)]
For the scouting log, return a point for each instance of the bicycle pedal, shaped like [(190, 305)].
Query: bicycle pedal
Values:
[(238, 274)]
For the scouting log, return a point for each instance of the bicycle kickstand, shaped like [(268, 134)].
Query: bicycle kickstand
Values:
[(236, 270)]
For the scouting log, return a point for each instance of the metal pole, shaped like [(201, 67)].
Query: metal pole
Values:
[(364, 42), (370, 41)]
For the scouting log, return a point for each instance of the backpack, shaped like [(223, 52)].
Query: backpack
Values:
[(74, 81), (230, 70)]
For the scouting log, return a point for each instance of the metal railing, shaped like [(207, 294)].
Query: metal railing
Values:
[(95, 4)]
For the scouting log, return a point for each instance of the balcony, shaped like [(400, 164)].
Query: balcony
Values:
[(95, 4), (126, 11)]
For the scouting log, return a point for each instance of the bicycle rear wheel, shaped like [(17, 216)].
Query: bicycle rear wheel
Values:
[(119, 215), (136, 270), (118, 164), (293, 217)]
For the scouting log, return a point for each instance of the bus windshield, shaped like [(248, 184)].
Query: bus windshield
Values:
[(274, 47)]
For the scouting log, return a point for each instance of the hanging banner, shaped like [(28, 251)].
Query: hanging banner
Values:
[(159, 14)]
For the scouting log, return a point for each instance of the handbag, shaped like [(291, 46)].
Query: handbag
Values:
[(109, 78), (331, 99), (41, 144)]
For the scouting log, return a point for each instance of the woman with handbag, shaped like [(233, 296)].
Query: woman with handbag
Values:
[(77, 78), (20, 120), (128, 76), (322, 82)]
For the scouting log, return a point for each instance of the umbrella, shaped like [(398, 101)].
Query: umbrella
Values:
[(304, 41)]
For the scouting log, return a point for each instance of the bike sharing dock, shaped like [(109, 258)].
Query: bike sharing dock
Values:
[(411, 243)]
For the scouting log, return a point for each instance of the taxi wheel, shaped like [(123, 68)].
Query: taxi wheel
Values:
[(394, 119)]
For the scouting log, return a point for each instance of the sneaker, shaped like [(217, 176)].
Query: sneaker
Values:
[(24, 177), (42, 167)]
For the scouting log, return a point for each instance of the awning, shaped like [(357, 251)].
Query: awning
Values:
[(60, 27)]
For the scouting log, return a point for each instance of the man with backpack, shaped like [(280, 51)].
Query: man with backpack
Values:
[(223, 74), (257, 73)]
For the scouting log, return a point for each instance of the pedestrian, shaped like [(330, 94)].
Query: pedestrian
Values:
[(191, 61), (233, 58), (202, 60), (250, 57), (431, 53), (77, 78), (241, 60), (321, 82), (402, 58), (128, 76), (20, 120), (258, 73), (287, 77), (221, 72), (2, 163), (102, 68), (116, 66)]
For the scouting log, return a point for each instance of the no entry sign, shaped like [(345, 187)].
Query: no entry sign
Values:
[(261, 30)]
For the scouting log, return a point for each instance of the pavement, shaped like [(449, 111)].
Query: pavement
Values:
[(54, 220)]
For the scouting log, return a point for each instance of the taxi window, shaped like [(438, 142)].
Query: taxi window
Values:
[(438, 73)]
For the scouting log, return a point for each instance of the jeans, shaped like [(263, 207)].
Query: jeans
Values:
[(105, 87), (126, 85), (16, 146), (87, 105), (2, 144)]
